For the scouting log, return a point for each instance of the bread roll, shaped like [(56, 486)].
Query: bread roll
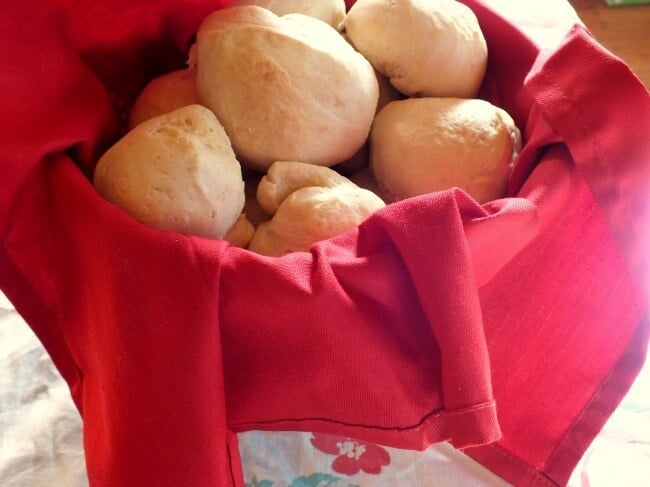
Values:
[(387, 92), (312, 214), (283, 178), (285, 88), (163, 95), (309, 204), (176, 171), (331, 12), (423, 145), (425, 47), (191, 57)]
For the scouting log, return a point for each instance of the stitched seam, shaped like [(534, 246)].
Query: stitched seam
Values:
[(601, 162), (430, 416), (470, 409), (599, 157)]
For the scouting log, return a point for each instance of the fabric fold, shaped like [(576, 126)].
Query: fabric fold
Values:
[(387, 315), (473, 426)]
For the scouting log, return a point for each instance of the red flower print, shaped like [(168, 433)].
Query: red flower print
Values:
[(352, 455)]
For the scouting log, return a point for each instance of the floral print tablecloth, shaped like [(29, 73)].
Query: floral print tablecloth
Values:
[(318, 460)]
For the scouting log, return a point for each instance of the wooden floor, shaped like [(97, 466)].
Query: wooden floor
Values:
[(625, 31)]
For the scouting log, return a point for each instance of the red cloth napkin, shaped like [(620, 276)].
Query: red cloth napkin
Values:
[(519, 324)]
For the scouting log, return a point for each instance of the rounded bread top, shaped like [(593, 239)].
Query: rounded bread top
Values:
[(177, 172), (422, 145), (425, 47), (285, 88), (331, 12)]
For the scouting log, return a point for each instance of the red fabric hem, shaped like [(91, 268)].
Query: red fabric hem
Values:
[(600, 408), (39, 316), (614, 175), (509, 467), (472, 426), (433, 429), (612, 171), (140, 292), (579, 436), (235, 460)]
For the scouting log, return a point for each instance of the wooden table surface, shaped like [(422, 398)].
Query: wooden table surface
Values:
[(625, 31)]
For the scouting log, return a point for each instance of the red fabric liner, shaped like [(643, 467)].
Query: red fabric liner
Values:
[(438, 318)]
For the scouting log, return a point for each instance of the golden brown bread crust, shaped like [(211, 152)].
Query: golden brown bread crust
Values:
[(361, 158), (285, 88), (313, 214), (425, 48), (176, 171), (331, 12), (421, 145), (310, 204), (254, 212), (366, 180), (240, 234), (285, 177), (164, 94)]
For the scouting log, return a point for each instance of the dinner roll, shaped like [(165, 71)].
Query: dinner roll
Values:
[(284, 177), (425, 47), (285, 88), (421, 145), (176, 171), (311, 214), (163, 95), (309, 203), (331, 12)]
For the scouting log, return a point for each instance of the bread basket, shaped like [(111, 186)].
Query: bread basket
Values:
[(512, 329)]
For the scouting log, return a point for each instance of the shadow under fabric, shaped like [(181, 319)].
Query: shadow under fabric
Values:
[(512, 329)]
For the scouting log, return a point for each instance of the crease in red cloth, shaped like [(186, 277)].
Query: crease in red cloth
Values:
[(394, 353)]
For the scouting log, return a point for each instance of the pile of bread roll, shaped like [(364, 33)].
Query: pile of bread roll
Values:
[(244, 143)]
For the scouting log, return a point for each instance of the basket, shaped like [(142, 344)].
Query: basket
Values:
[(512, 329)]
